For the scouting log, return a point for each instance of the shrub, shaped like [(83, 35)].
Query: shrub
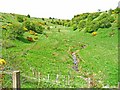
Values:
[(105, 23), (92, 26), (110, 11), (92, 16), (111, 19), (28, 15), (81, 16), (34, 26), (14, 31), (117, 10), (20, 18), (43, 19), (74, 27), (27, 24), (82, 24), (39, 29), (50, 18), (103, 15)]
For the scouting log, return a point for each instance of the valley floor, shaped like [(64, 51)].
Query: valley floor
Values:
[(50, 56)]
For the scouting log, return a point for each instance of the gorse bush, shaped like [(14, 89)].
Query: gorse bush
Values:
[(92, 27), (82, 24), (28, 15), (74, 27), (81, 16), (34, 25), (117, 10), (13, 31), (16, 30), (93, 16), (103, 15), (27, 24), (20, 18), (105, 23), (91, 22)]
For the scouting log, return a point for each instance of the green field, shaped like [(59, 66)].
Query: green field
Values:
[(50, 54)]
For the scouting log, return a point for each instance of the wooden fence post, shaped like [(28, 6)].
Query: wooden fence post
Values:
[(16, 80)]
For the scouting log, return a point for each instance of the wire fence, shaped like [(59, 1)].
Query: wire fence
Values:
[(9, 80), (43, 81)]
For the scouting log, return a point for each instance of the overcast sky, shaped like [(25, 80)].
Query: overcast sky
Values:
[(63, 9)]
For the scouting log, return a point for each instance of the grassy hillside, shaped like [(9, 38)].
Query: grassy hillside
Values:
[(44, 46)]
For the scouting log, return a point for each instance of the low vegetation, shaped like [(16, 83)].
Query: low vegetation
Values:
[(41, 46)]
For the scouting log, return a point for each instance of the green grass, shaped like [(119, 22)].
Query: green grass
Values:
[(50, 55)]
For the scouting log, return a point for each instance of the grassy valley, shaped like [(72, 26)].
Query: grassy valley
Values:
[(43, 47)]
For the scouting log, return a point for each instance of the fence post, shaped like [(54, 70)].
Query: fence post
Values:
[(16, 80)]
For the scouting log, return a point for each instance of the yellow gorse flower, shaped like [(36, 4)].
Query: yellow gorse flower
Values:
[(3, 27), (2, 62), (94, 33), (24, 28), (31, 32), (113, 12)]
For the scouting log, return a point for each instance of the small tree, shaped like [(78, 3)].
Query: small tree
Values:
[(28, 15)]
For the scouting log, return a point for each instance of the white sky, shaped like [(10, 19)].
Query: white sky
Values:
[(63, 9)]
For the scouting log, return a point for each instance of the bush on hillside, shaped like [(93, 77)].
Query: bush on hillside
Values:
[(103, 15), (81, 16), (27, 24), (92, 26), (34, 25), (105, 23), (92, 16), (28, 15), (111, 19), (117, 10), (20, 18), (110, 11), (82, 24), (14, 31), (74, 26)]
